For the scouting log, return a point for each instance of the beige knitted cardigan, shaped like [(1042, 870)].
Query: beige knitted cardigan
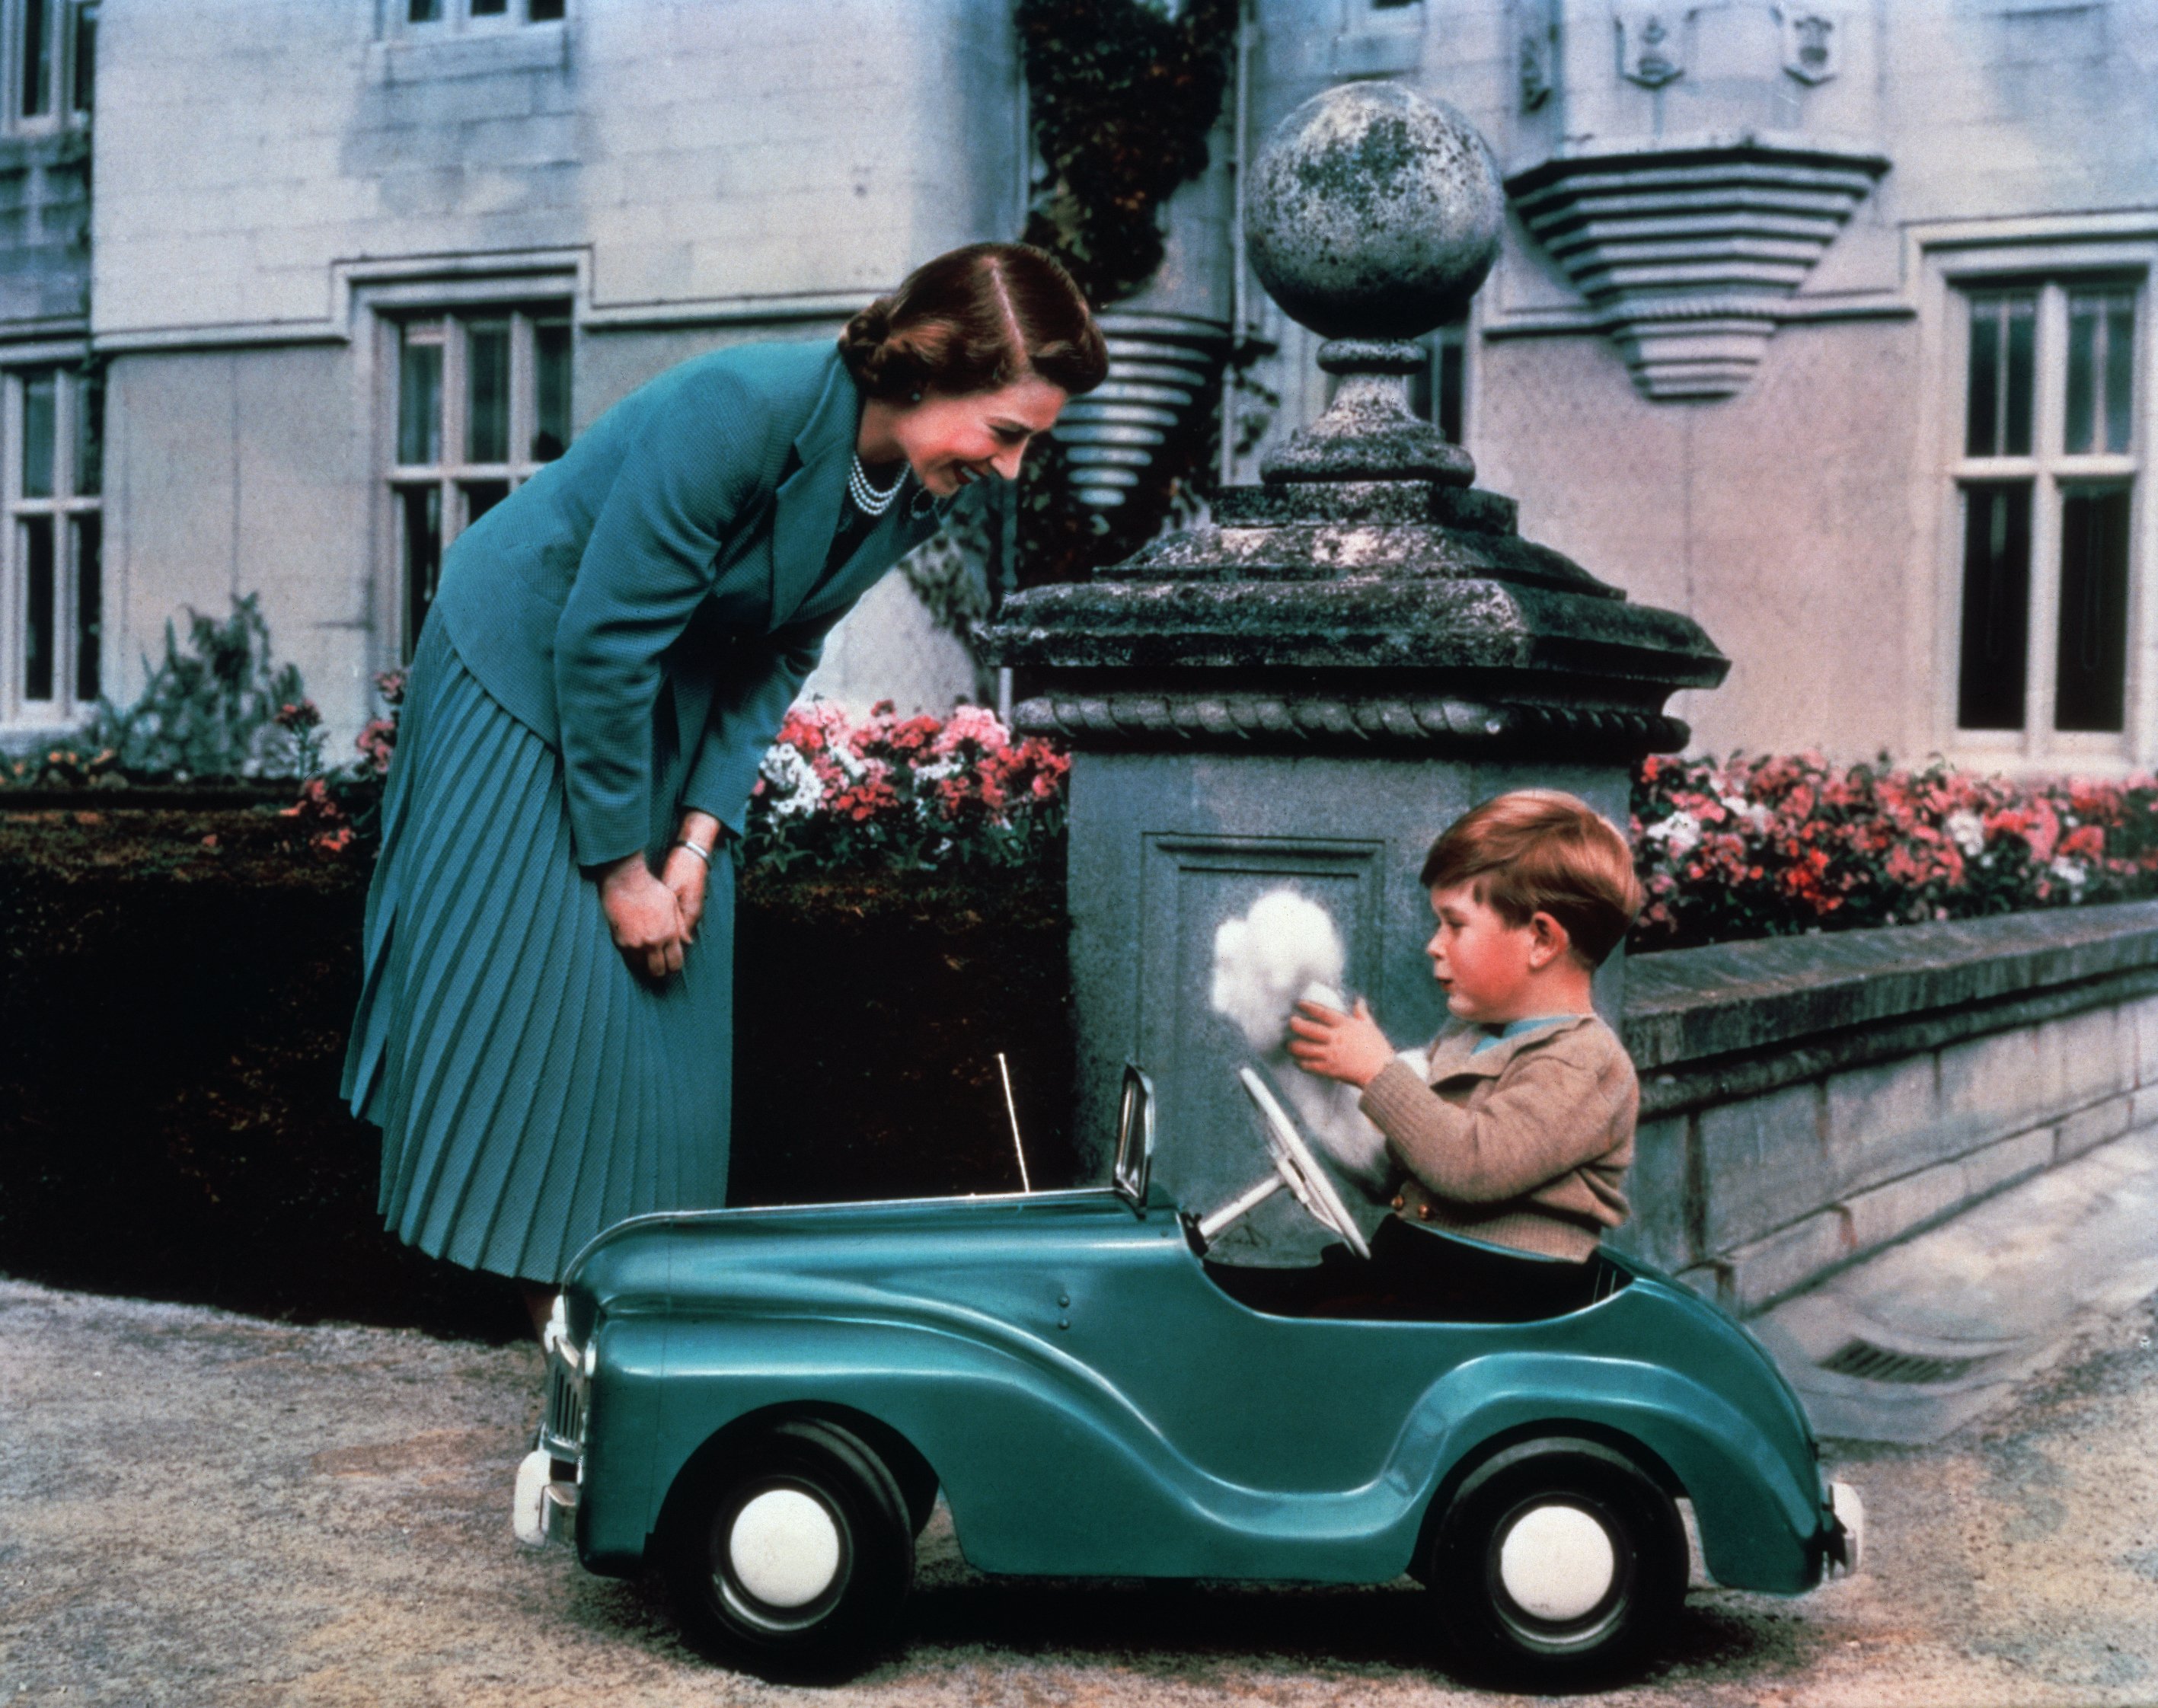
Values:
[(1525, 1145)]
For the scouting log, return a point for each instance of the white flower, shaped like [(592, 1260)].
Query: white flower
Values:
[(1680, 834), (1967, 831), (2072, 873), (791, 781), (1749, 812)]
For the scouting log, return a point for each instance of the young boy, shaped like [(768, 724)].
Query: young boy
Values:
[(1523, 1134)]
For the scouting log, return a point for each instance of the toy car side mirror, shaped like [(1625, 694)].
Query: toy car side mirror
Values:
[(1134, 1164)]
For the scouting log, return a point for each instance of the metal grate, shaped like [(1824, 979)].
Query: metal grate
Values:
[(1876, 1363), (563, 1434)]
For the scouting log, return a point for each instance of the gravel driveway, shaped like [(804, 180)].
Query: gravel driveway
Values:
[(199, 1508)]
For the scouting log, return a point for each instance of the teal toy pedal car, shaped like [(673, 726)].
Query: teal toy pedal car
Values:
[(767, 1402)]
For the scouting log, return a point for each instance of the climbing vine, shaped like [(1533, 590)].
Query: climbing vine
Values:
[(1123, 94)]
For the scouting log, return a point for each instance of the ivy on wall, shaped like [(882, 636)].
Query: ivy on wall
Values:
[(1123, 95)]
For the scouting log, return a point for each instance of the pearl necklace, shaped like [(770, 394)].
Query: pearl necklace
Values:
[(867, 498)]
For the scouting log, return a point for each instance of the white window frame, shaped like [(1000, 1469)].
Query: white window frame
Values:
[(63, 17), (458, 17), (64, 708), (2051, 263), (451, 472)]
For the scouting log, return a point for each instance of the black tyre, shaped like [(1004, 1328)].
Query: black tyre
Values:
[(792, 1554), (1557, 1560), (918, 1484)]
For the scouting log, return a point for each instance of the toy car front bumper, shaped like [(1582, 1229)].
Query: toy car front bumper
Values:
[(543, 1508), (1846, 1531)]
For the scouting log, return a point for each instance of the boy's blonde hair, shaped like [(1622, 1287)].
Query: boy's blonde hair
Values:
[(1533, 851)]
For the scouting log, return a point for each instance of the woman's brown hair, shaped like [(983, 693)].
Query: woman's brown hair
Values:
[(1542, 851), (976, 319)]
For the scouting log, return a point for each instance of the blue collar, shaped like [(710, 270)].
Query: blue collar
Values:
[(1513, 1029)]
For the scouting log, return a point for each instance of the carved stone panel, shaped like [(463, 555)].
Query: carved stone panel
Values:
[(1535, 24), (1651, 43), (1812, 43), (1211, 1145)]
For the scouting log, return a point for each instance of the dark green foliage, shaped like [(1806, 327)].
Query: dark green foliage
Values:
[(175, 991), (211, 708), (1123, 96)]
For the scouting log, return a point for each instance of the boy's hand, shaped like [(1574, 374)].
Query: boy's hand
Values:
[(1338, 1046)]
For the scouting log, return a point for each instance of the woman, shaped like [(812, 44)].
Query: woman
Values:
[(545, 1034)]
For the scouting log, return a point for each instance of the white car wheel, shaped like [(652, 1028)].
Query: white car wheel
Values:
[(790, 1551), (785, 1548), (1557, 1563)]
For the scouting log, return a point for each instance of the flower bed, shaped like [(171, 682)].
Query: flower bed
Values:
[(1774, 845), (904, 794)]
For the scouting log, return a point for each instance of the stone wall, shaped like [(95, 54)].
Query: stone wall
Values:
[(1807, 1099), (678, 176)]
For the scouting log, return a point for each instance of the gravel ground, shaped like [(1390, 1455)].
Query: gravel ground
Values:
[(200, 1509)]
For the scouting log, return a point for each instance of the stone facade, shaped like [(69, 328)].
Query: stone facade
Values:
[(1809, 516), (1722, 360), (280, 187)]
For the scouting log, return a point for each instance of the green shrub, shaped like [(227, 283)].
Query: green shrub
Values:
[(216, 708)]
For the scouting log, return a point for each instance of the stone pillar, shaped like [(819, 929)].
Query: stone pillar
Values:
[(1303, 691)]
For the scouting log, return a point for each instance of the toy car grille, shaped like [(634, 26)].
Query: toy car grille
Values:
[(1876, 1363), (562, 1433)]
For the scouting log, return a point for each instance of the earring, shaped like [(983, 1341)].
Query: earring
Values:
[(914, 397)]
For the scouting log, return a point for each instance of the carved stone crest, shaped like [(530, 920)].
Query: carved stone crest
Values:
[(1651, 44), (1811, 41), (1536, 35)]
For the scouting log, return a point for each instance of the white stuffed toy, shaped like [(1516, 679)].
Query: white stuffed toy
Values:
[(1286, 948)]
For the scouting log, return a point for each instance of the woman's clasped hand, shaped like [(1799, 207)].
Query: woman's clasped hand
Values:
[(645, 916)]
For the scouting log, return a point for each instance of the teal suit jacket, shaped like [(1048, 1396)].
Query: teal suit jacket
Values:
[(650, 603)]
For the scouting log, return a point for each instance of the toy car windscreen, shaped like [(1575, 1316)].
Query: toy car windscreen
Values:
[(1134, 1164)]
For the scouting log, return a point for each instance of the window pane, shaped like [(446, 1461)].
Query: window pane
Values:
[(481, 496), (38, 432), (2091, 673), (85, 57), (1997, 419), (37, 58), (1996, 606), (424, 11), (34, 538), (1979, 437), (88, 433), (2120, 368), (2022, 317), (419, 402), (545, 10), (550, 361), (489, 9), (89, 606), (487, 392), (420, 512), (2101, 364), (2084, 325)]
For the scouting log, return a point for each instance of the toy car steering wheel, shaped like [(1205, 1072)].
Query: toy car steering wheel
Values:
[(1295, 1168)]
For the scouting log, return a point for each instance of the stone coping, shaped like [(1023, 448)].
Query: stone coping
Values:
[(1691, 1011)]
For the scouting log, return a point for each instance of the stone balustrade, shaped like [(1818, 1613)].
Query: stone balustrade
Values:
[(1808, 1100)]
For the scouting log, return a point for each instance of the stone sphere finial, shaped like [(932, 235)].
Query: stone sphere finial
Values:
[(1373, 213)]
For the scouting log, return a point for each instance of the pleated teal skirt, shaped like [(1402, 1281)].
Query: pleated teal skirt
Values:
[(531, 1090)]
